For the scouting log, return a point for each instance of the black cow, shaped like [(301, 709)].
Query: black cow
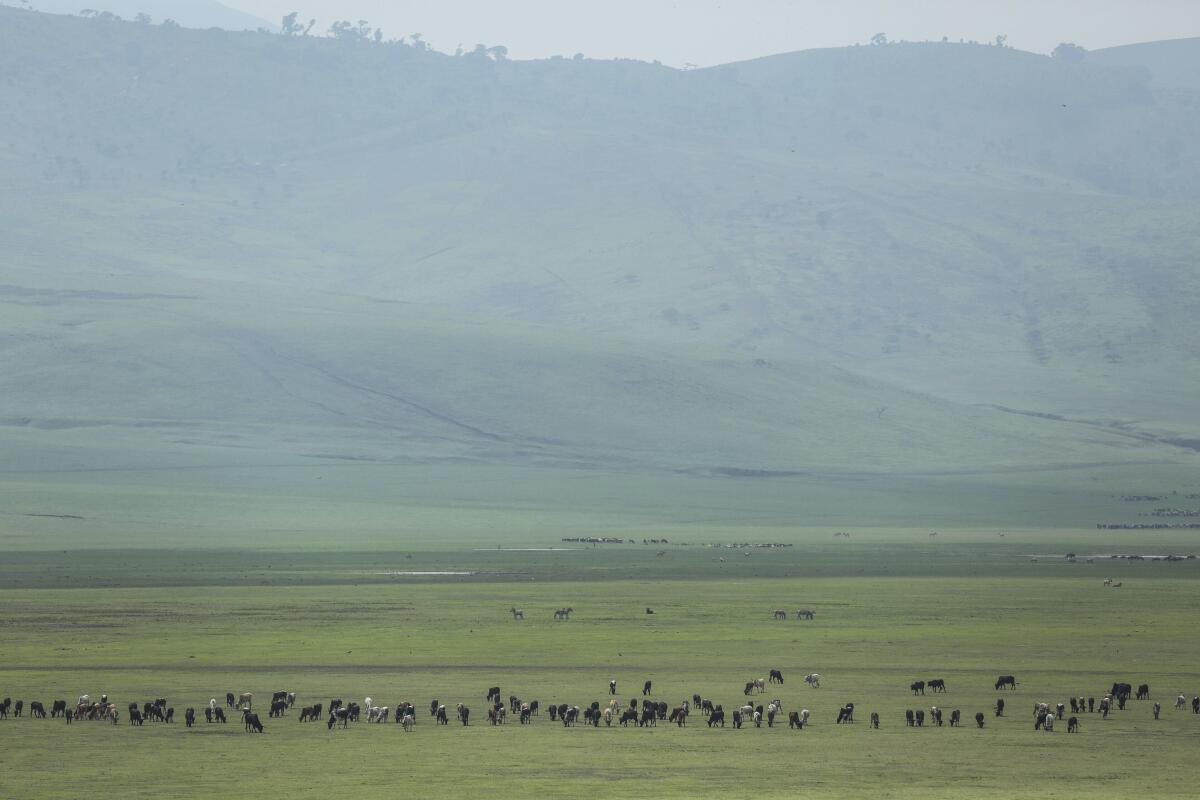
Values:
[(279, 696), (277, 708), (553, 713), (433, 706), (649, 716), (1059, 710), (189, 716), (909, 718), (59, 707), (955, 718), (135, 716), (662, 709), (37, 710), (208, 714), (1006, 682), (776, 676), (875, 720), (1119, 689), (1196, 705), (917, 687), (533, 708), (646, 688), (717, 717), (569, 716), (1157, 709), (937, 685), (493, 692), (220, 714), (253, 723), (171, 714), (935, 716), (920, 718), (229, 699), (1074, 706), (794, 720), (1143, 691), (678, 716), (1072, 724), (846, 713), (1091, 704), (979, 719), (18, 707), (999, 706), (464, 715)]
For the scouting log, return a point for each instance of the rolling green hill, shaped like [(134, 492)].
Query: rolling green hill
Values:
[(237, 248)]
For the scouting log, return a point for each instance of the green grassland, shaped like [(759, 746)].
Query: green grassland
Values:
[(965, 606)]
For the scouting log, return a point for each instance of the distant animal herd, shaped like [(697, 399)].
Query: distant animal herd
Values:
[(339, 714)]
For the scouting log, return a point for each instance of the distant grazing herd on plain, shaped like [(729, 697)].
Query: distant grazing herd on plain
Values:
[(647, 712)]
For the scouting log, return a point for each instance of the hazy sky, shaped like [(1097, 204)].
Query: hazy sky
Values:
[(716, 31)]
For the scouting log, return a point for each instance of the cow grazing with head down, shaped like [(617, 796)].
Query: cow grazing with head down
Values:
[(955, 718), (920, 715), (246, 700), (1072, 724), (910, 718), (229, 700), (999, 706), (251, 721), (917, 687), (776, 676), (1143, 691), (875, 720), (937, 685), (189, 717), (37, 710), (1006, 682), (979, 719), (1157, 708), (59, 708), (1196, 705), (219, 713)]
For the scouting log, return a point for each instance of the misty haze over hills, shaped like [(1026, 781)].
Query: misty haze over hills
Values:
[(915, 258), (188, 13)]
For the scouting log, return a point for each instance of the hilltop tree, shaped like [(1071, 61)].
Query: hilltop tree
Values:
[(1069, 52)]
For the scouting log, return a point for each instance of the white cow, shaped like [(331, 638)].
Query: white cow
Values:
[(407, 722), (804, 716), (1048, 725), (758, 719), (212, 703), (813, 680), (1180, 701)]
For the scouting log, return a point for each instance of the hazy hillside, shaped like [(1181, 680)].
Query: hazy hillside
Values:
[(830, 260), (1171, 65), (188, 13)]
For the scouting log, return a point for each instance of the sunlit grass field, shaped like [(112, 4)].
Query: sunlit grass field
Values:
[(965, 606)]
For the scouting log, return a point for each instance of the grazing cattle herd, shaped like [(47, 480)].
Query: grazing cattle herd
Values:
[(646, 713)]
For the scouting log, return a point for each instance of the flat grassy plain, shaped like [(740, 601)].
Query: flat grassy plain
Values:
[(893, 605)]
